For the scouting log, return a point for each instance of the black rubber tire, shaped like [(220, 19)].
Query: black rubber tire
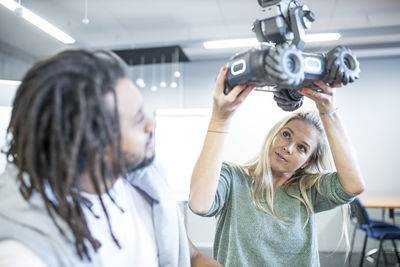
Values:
[(288, 99), (342, 66), (285, 65)]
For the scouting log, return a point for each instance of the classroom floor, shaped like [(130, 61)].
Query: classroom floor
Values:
[(328, 259), (337, 259)]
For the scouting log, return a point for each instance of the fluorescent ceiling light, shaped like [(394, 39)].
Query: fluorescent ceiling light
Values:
[(230, 43), (37, 21), (322, 37), (9, 82), (248, 42), (183, 112)]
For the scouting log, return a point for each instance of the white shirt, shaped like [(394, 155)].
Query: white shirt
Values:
[(133, 228)]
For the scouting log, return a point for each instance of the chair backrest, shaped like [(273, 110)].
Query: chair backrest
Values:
[(359, 212)]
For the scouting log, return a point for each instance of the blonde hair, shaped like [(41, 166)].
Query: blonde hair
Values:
[(320, 162), (260, 169)]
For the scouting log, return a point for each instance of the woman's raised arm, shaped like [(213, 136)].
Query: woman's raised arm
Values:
[(206, 172), (343, 152)]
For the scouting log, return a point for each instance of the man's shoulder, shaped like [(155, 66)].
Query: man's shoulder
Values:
[(15, 253), (155, 169)]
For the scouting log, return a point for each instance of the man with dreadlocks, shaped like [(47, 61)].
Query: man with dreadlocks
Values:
[(81, 187)]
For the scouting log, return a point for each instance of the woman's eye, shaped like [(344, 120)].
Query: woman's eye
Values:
[(302, 148), (286, 134)]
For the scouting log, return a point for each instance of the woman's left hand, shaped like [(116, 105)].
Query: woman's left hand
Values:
[(324, 98), (342, 150)]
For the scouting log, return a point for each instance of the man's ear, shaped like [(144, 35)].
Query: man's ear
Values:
[(109, 153)]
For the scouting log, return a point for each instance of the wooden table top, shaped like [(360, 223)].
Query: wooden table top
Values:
[(380, 201)]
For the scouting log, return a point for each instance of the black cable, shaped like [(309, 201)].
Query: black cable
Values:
[(288, 16)]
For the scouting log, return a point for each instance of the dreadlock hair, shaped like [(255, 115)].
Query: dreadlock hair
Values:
[(60, 128)]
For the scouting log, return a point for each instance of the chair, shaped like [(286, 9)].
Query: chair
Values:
[(378, 230)]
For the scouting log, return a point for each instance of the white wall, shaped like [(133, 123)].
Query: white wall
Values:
[(7, 93), (13, 65), (13, 62)]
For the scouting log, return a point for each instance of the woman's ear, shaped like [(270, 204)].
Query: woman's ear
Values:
[(305, 164)]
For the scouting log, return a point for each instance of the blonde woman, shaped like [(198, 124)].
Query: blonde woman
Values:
[(265, 208)]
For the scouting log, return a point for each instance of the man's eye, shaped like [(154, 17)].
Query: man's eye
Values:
[(140, 118)]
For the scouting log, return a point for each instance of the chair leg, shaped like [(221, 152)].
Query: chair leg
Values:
[(352, 244), (379, 253), (395, 250), (384, 256), (363, 250)]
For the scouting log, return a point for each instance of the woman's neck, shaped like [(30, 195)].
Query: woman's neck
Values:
[(280, 178)]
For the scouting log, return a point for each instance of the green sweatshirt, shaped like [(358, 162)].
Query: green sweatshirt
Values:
[(246, 236)]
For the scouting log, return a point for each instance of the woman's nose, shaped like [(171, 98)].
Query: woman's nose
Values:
[(288, 148)]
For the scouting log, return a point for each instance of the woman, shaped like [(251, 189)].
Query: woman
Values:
[(265, 207)]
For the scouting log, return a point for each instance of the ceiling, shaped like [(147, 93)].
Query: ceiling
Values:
[(371, 27)]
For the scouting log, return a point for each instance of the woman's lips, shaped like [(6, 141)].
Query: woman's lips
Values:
[(280, 157)]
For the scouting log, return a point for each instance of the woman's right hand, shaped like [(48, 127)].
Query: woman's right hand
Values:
[(205, 176), (225, 105)]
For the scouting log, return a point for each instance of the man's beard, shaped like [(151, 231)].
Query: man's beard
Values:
[(132, 166), (131, 161)]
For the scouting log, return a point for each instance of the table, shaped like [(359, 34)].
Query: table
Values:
[(383, 202), (380, 201)]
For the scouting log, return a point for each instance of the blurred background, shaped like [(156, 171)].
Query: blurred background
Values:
[(163, 43)]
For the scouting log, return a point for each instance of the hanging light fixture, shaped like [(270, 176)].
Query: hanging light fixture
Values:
[(174, 84), (19, 11), (177, 73), (140, 81), (163, 83), (153, 83), (85, 20), (130, 69)]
